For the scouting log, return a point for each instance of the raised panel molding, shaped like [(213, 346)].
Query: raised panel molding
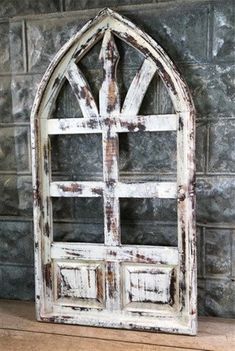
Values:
[(79, 284), (149, 288)]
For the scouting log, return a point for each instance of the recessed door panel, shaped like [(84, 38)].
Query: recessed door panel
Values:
[(149, 288), (79, 284)]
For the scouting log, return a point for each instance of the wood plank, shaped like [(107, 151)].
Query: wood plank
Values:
[(109, 93), (12, 340), (76, 189), (147, 190), (122, 124), (74, 126), (43, 220), (138, 87), (186, 213), (132, 190), (110, 106), (82, 91), (98, 252), (215, 334)]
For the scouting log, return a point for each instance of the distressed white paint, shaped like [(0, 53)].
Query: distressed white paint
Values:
[(53, 258), (82, 91), (76, 189), (120, 190), (122, 124), (109, 107), (139, 87), (126, 253), (80, 284), (146, 287), (147, 190)]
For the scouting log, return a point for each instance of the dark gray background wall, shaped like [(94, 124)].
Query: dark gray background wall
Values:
[(199, 37)]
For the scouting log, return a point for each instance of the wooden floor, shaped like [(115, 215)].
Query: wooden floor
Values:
[(20, 332)]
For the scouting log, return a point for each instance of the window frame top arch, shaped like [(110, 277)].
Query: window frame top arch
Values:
[(88, 36)]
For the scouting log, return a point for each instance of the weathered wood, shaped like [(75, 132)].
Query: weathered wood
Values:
[(139, 87), (145, 288), (17, 322), (120, 190), (122, 124), (137, 254), (131, 275), (81, 283), (109, 107), (167, 190), (109, 94), (76, 189), (186, 214), (21, 341), (82, 91)]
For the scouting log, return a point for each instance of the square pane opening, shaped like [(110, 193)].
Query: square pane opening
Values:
[(78, 157), (149, 155), (148, 221), (78, 219)]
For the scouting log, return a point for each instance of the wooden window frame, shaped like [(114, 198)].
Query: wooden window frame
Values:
[(111, 120)]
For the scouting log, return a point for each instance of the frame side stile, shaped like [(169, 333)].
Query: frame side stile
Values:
[(192, 244), (37, 237)]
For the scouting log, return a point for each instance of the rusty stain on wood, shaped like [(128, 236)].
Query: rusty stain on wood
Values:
[(110, 152), (48, 275), (73, 187), (111, 280), (150, 288), (82, 91), (121, 124)]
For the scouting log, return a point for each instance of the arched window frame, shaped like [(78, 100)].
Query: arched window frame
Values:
[(106, 24)]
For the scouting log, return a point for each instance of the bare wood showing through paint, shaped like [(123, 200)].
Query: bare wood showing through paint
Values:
[(147, 287), (122, 124), (82, 91)]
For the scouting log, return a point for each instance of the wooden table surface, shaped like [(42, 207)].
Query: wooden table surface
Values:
[(19, 331)]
